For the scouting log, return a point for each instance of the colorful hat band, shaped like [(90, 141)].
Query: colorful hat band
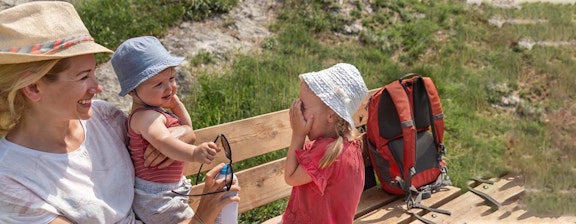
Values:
[(50, 46)]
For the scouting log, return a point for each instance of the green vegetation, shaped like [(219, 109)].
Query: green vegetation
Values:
[(475, 66)]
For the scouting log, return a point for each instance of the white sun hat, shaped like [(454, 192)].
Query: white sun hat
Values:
[(341, 87)]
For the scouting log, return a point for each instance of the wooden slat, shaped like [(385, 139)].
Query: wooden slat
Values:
[(261, 185), (470, 207), (372, 199), (361, 115), (395, 212), (512, 213), (248, 138)]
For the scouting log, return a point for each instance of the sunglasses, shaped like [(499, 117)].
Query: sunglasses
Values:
[(223, 144)]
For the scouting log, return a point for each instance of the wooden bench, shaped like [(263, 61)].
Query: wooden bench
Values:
[(264, 183)]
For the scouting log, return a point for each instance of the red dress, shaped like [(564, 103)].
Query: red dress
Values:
[(334, 192)]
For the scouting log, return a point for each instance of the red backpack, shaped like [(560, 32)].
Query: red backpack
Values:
[(405, 133)]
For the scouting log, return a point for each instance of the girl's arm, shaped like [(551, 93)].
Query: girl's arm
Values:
[(151, 125), (294, 174)]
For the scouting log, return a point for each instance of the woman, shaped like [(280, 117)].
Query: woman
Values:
[(63, 157)]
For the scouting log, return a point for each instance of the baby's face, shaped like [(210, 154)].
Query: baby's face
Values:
[(158, 90)]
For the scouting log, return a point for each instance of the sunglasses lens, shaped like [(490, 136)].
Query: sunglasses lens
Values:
[(229, 178), (226, 147)]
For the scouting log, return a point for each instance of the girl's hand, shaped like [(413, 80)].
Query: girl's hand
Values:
[(300, 126)]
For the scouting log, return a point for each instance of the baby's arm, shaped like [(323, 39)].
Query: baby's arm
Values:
[(178, 108), (295, 174), (184, 132), (150, 124), (154, 158)]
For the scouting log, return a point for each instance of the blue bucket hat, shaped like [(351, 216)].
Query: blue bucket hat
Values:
[(138, 59)]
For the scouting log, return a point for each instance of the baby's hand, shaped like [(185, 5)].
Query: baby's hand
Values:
[(174, 102), (205, 152)]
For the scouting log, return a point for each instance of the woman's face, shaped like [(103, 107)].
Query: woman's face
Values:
[(69, 95), (158, 90)]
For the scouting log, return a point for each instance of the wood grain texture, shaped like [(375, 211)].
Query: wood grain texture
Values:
[(395, 211)]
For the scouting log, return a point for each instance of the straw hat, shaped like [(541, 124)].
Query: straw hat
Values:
[(341, 87), (138, 59), (40, 30)]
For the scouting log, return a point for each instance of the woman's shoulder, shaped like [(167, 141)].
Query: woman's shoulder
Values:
[(107, 116), (106, 111)]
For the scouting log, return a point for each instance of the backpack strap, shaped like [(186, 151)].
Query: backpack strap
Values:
[(416, 203), (494, 204), (437, 127), (436, 114), (402, 101)]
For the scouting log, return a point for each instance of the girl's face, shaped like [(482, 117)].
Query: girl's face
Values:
[(67, 94), (324, 117), (158, 90)]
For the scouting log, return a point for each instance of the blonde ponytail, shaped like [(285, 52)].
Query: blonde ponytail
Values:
[(335, 148)]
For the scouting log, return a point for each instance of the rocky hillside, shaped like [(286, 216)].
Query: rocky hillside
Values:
[(241, 30)]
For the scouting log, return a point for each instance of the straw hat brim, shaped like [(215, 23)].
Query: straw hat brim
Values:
[(78, 49)]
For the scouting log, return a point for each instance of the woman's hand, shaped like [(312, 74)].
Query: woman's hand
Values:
[(154, 158), (211, 205)]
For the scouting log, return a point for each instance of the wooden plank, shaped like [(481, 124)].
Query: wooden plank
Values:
[(361, 115), (512, 212), (470, 207), (261, 185), (248, 138), (395, 212), (372, 199)]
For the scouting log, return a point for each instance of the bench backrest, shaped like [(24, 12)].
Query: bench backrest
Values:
[(251, 137)]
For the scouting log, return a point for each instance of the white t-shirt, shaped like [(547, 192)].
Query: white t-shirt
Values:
[(93, 184)]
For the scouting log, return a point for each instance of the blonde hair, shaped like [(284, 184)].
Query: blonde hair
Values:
[(14, 77), (333, 150)]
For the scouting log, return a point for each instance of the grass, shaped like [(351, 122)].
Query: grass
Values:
[(473, 64)]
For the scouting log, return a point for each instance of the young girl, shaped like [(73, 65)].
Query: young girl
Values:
[(145, 71), (327, 172)]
